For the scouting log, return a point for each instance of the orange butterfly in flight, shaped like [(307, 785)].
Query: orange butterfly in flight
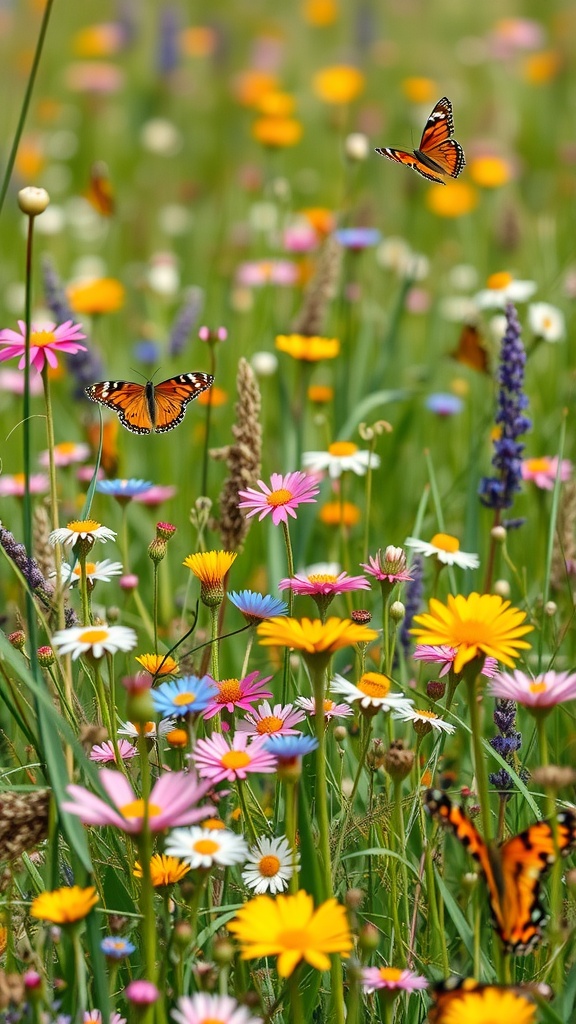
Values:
[(512, 871), (100, 193), (438, 154), (143, 408)]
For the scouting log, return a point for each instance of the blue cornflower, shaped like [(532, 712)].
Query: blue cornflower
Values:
[(123, 490), (183, 696), (147, 351), (444, 404), (116, 948), (256, 607), (357, 238), (498, 491), (288, 748)]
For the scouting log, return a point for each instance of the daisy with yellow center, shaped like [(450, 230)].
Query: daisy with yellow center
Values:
[(487, 1004), (270, 865), (393, 979), (502, 288), (424, 721), (66, 453), (45, 342), (95, 571), (95, 640), (210, 567), (341, 457), (204, 848), (372, 692), (88, 530), (446, 549), (158, 665), (308, 349), (64, 906), (164, 870), (546, 322), (478, 625), (291, 929), (539, 694)]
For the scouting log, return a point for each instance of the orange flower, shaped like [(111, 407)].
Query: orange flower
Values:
[(198, 41), (214, 397), (101, 295), (320, 394), (420, 90), (338, 84), (454, 199), (250, 86), (277, 104), (320, 13), (541, 67), (490, 171), (277, 132), (333, 513)]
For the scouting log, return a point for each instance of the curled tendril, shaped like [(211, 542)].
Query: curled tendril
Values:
[(368, 433)]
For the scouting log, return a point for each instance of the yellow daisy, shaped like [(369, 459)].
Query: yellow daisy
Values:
[(312, 636), (164, 870), (210, 567), (64, 906)]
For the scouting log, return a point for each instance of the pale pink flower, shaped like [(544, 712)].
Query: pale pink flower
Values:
[(12, 380), (324, 584), (103, 753), (203, 1007), (543, 471), (13, 486), (543, 691), (66, 453), (282, 498), (331, 708), (156, 495), (218, 760), (237, 693), (393, 978), (268, 721), (45, 341), (257, 273), (436, 654), (388, 565), (172, 802)]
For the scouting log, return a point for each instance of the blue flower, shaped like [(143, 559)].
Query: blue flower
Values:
[(147, 351), (444, 404), (116, 948), (183, 696), (357, 238), (123, 490), (255, 607), (288, 748)]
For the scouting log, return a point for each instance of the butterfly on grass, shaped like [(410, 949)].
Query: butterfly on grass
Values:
[(513, 871), (147, 408), (437, 154)]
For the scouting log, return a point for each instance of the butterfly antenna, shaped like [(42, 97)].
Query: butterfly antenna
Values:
[(138, 373)]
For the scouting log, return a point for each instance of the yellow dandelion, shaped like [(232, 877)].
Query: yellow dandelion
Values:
[(164, 870), (64, 906), (453, 199), (308, 349)]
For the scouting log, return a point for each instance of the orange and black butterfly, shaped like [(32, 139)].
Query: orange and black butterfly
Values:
[(451, 996), (100, 193), (513, 871), (437, 154), (471, 350), (144, 408)]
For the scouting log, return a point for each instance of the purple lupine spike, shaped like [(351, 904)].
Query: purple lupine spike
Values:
[(86, 367), (185, 320), (412, 602)]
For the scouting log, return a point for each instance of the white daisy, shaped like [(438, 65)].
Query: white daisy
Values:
[(446, 549), (331, 708), (150, 730), (372, 691), (546, 321), (271, 864), (203, 847), (81, 529), (205, 1008), (424, 721), (341, 457), (102, 571), (503, 288), (99, 640)]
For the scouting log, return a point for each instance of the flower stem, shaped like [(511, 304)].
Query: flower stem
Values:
[(204, 483), (155, 606), (290, 566), (318, 674), (144, 840), (478, 755), (214, 645)]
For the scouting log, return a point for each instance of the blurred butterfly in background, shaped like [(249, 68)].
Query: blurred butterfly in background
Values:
[(100, 193), (471, 350), (437, 154), (513, 871), (147, 408)]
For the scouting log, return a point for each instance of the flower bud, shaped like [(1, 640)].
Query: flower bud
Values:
[(129, 581), (550, 608), (164, 531), (435, 689), (17, 639), (177, 738), (397, 611), (182, 934), (223, 952), (376, 755), (139, 707), (361, 616), (502, 588), (356, 146), (368, 938), (157, 550), (33, 201), (398, 761), (340, 733), (499, 534)]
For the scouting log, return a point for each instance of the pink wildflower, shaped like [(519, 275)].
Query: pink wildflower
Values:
[(237, 693), (282, 499), (45, 341), (103, 753), (543, 471), (156, 495), (268, 721), (392, 978), (331, 708), (542, 692), (324, 583), (436, 654), (142, 992), (13, 486), (388, 565), (217, 760)]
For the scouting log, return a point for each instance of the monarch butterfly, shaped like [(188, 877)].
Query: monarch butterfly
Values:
[(438, 154), (143, 408), (513, 871)]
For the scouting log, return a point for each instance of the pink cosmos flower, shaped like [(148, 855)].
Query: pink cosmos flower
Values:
[(282, 498), (392, 978), (203, 1007), (324, 583), (66, 453), (543, 691), (268, 721), (257, 273), (543, 471), (331, 708), (13, 486), (142, 992), (13, 381), (45, 341), (436, 654), (388, 565), (237, 693), (156, 495), (172, 802), (103, 753), (217, 760)]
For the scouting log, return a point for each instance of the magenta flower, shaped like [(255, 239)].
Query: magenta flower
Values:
[(217, 760), (103, 753), (388, 565), (282, 498), (331, 708), (392, 978), (436, 654), (12, 486), (142, 992), (541, 693), (237, 693), (45, 342), (172, 802), (324, 584), (543, 471), (268, 721)]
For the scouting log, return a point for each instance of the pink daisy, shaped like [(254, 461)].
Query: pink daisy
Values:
[(13, 486), (324, 584), (331, 708), (45, 342), (237, 693), (281, 498), (268, 721), (156, 495), (393, 978), (11, 380), (104, 752), (436, 654), (217, 760), (172, 802), (540, 692), (203, 1007), (543, 471), (388, 565)]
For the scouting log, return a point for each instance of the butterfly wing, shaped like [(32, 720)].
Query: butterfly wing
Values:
[(413, 160), (471, 350), (437, 154), (172, 396), (439, 126), (127, 400), (100, 193)]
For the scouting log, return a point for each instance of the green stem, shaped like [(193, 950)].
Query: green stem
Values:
[(51, 441), (204, 484), (84, 588), (367, 726), (248, 652), (296, 1011), (318, 674), (246, 815), (144, 840), (80, 968), (400, 839), (155, 606), (214, 645), (479, 760), (290, 565), (291, 817)]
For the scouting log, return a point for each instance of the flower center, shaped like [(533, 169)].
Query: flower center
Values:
[(373, 684), (18, 479), (294, 938), (40, 339), (390, 973), (235, 759), (90, 568), (229, 691), (83, 526), (538, 465), (213, 1020), (207, 846), (93, 636), (322, 577), (445, 542), (426, 714), (538, 686), (269, 866), (269, 724), (329, 705), (279, 497), (146, 729), (340, 448), (184, 698), (66, 447), (136, 808), (500, 280)]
